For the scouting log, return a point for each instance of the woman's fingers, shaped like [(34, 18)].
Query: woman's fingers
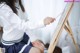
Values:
[(48, 20)]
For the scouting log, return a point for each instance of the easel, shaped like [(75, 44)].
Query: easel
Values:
[(63, 24)]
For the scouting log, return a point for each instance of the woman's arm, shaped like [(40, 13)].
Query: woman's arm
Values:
[(23, 25)]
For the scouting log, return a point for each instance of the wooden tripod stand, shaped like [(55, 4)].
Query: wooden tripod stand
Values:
[(63, 24)]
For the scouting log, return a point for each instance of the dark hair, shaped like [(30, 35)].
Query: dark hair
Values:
[(11, 3), (57, 50)]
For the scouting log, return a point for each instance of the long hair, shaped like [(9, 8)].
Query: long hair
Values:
[(11, 3)]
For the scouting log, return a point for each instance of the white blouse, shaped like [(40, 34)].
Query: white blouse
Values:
[(13, 26)]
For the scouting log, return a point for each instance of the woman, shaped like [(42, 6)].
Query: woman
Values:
[(14, 38)]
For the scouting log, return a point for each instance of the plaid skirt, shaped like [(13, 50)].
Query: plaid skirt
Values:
[(23, 46)]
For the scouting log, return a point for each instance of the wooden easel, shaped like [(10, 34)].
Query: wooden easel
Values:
[(63, 24)]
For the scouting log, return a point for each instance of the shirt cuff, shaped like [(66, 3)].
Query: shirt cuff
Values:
[(42, 24)]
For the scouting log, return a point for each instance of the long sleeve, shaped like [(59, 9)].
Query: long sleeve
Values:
[(21, 24)]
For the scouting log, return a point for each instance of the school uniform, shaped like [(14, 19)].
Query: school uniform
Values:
[(14, 38)]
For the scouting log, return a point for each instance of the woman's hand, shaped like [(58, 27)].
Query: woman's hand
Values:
[(48, 20)]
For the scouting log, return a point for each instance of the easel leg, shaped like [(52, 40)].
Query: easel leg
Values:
[(69, 30), (55, 40)]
